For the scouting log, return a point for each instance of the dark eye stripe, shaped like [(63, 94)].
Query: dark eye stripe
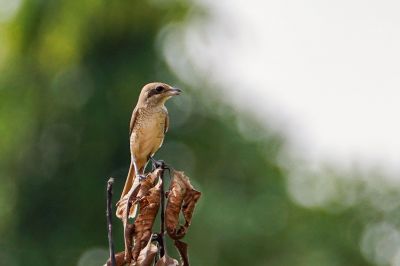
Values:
[(155, 91)]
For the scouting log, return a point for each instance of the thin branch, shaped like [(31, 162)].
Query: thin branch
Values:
[(109, 221), (162, 214), (160, 236)]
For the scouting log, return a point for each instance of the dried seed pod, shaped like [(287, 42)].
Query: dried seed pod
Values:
[(148, 209), (182, 197)]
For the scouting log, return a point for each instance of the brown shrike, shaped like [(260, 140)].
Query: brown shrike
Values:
[(149, 123)]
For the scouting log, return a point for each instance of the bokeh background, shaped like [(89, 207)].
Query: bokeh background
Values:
[(71, 72)]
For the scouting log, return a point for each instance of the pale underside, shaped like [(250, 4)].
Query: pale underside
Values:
[(147, 134)]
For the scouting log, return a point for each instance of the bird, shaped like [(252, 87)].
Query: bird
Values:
[(148, 125)]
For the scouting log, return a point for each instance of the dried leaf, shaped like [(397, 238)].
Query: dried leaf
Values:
[(138, 195), (183, 252), (167, 261), (174, 205), (145, 185), (119, 258), (181, 197), (148, 209), (148, 182), (189, 201), (129, 231), (147, 255)]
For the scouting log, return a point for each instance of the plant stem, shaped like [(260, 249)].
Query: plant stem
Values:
[(162, 224), (109, 221)]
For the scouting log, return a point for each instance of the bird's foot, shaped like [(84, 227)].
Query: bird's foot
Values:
[(141, 177), (158, 163)]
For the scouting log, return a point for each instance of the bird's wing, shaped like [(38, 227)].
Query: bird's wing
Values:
[(133, 120), (166, 124)]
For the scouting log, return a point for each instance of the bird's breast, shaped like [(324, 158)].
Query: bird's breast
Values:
[(148, 133)]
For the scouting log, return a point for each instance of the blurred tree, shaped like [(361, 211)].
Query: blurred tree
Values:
[(70, 78)]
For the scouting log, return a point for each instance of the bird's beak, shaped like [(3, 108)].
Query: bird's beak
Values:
[(174, 91)]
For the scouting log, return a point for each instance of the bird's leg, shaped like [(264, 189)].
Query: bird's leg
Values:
[(140, 176)]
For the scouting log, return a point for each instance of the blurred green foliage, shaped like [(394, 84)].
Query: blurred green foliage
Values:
[(71, 74)]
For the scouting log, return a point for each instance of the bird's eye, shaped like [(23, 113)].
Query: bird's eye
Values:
[(159, 89)]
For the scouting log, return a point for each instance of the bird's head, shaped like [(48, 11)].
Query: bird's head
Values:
[(157, 93)]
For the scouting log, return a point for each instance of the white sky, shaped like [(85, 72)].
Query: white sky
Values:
[(326, 71)]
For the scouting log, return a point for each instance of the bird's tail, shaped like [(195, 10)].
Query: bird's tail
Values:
[(121, 204)]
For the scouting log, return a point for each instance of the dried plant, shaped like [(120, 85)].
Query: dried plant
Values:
[(142, 245)]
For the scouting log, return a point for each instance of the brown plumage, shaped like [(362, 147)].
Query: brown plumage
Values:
[(149, 123)]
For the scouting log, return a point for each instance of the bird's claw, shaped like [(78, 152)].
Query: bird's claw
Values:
[(158, 163)]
